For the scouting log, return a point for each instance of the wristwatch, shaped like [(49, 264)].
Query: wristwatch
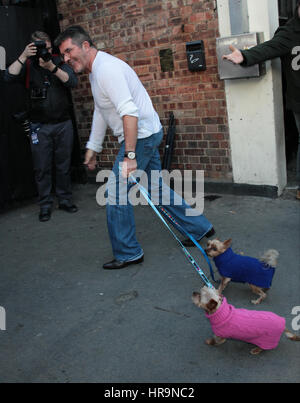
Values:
[(130, 155)]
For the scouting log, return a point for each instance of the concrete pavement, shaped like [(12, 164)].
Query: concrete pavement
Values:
[(67, 320)]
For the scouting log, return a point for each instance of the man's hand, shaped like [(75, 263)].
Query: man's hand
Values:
[(235, 57), (61, 74), (90, 159), (29, 51), (16, 67), (47, 65), (128, 167)]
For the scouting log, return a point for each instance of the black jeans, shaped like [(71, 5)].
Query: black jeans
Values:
[(53, 149)]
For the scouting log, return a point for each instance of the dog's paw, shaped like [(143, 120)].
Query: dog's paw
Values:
[(256, 351), (215, 341), (210, 342), (256, 301)]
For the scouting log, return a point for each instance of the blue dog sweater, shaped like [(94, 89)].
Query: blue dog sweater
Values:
[(244, 269)]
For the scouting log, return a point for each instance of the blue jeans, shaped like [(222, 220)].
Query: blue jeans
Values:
[(120, 217)]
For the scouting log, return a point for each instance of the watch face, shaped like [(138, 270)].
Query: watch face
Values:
[(131, 155)]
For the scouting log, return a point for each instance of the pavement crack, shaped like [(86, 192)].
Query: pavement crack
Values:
[(171, 311), (126, 297)]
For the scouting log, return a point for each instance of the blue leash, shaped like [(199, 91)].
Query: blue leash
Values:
[(181, 229)]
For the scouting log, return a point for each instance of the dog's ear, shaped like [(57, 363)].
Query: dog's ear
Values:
[(196, 297), (211, 305), (228, 243)]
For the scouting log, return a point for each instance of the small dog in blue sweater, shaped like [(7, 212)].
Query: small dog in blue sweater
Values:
[(258, 273)]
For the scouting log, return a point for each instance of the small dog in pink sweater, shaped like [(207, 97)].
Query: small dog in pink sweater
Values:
[(261, 328)]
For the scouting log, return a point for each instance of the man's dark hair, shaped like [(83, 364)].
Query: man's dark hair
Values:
[(77, 34)]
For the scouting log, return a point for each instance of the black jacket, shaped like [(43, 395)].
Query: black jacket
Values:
[(283, 45), (56, 106)]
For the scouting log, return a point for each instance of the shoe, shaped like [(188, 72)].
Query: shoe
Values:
[(70, 208), (45, 214), (118, 264), (189, 243), (210, 233), (298, 194)]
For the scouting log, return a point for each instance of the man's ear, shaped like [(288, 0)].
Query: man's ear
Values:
[(211, 305), (85, 45)]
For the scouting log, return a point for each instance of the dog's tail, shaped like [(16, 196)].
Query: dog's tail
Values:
[(270, 257)]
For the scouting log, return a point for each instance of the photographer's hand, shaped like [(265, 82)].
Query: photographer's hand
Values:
[(47, 65), (61, 74), (16, 66), (29, 51)]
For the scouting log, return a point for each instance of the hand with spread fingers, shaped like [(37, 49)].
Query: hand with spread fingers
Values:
[(235, 57)]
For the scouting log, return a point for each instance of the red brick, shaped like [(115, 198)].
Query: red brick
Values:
[(135, 31)]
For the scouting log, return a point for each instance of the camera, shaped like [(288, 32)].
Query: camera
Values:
[(38, 93), (42, 51), (23, 119)]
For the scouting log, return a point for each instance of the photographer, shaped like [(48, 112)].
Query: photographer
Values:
[(46, 79)]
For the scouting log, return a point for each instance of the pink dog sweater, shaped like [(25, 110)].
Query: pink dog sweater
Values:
[(261, 328)]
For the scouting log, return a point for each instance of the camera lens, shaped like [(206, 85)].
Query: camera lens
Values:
[(45, 55), (42, 51)]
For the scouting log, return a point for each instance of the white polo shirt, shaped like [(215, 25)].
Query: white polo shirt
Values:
[(117, 92)]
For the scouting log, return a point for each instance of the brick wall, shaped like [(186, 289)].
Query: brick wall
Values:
[(136, 31)]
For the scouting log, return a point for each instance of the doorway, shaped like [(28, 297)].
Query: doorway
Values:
[(286, 11), (18, 19)]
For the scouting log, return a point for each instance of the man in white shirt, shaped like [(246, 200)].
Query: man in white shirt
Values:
[(123, 104)]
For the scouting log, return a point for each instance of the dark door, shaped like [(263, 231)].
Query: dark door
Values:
[(18, 19), (286, 11), (16, 171)]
